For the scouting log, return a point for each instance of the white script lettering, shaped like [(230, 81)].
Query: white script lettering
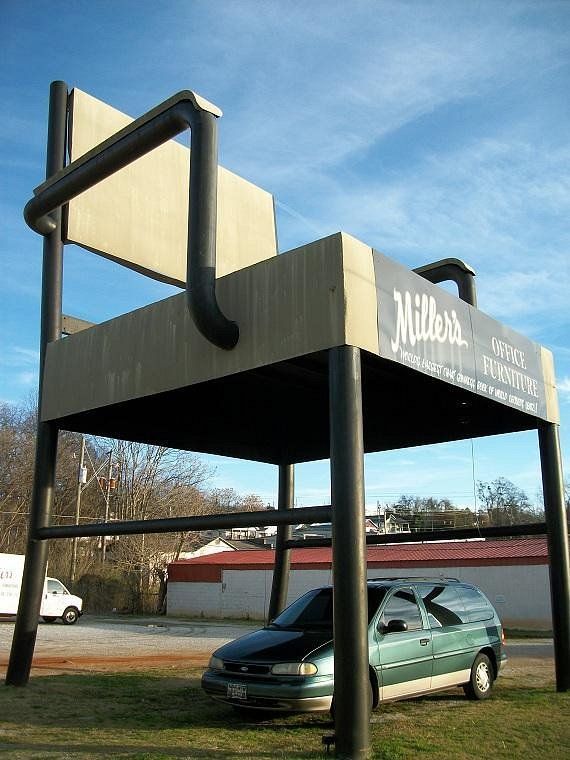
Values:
[(422, 322)]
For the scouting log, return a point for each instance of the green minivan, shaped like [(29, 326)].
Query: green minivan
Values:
[(424, 635)]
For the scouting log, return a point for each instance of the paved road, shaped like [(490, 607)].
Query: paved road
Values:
[(534, 648), (120, 636)]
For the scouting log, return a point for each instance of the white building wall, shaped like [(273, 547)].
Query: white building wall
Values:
[(301, 581), (194, 599), (520, 593), (245, 597), (241, 594)]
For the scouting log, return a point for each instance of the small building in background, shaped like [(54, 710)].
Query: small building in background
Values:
[(220, 544), (513, 573)]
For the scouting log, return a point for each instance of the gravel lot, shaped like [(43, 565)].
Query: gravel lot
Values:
[(119, 641), (99, 642)]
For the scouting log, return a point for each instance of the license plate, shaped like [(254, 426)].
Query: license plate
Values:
[(237, 691)]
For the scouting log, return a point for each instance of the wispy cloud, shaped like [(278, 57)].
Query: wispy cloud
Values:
[(486, 202), (19, 356), (20, 365), (563, 387), (318, 137), (27, 378), (392, 66)]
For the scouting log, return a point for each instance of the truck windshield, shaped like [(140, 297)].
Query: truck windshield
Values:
[(315, 609)]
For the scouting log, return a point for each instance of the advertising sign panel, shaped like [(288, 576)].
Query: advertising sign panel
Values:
[(427, 329)]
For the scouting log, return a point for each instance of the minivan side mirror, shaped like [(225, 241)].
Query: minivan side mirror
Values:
[(394, 626)]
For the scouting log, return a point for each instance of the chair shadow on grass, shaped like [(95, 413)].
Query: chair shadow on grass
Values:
[(137, 751), (150, 702)]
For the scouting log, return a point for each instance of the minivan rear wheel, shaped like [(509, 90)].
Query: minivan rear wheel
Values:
[(482, 676)]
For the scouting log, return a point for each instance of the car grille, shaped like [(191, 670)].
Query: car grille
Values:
[(247, 668)]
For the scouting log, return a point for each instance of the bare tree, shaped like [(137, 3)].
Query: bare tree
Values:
[(506, 504), (126, 481), (17, 444), (152, 482), (430, 513)]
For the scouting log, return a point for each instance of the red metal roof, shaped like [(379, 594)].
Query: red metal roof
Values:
[(520, 551)]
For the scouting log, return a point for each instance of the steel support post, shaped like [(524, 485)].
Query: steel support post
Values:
[(35, 566), (350, 605), (557, 532), (280, 584)]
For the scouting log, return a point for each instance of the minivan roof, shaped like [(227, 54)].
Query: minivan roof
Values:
[(413, 579)]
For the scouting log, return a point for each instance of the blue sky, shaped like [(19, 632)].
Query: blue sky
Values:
[(425, 129)]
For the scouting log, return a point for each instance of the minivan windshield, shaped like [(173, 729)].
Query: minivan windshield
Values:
[(314, 610)]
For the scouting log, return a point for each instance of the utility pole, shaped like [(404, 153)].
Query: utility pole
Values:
[(107, 497), (80, 482)]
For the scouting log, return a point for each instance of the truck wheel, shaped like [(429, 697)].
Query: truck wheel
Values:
[(70, 616), (48, 619)]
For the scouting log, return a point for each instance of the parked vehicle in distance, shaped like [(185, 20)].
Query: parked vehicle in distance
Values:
[(424, 635), (57, 602)]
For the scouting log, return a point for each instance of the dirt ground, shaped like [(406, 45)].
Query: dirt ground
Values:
[(530, 670), (49, 666), (539, 671)]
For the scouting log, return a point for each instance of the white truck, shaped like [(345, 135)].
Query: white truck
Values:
[(57, 602)]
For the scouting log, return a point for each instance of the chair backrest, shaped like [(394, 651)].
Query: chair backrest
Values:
[(138, 217)]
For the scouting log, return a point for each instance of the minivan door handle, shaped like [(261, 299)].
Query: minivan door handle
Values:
[(424, 642)]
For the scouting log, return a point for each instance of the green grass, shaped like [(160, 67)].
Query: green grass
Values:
[(527, 633), (163, 715)]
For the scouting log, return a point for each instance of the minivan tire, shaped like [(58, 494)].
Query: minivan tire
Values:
[(370, 701), (70, 616), (482, 676)]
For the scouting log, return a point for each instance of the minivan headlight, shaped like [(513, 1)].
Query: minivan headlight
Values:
[(294, 669), (216, 663)]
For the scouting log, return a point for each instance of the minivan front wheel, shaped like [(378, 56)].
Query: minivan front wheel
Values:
[(370, 701), (481, 682)]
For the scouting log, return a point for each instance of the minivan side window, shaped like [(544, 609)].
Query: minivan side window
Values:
[(477, 606), (402, 606), (443, 605)]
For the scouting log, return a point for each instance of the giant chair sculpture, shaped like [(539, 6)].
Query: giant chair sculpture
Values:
[(328, 350)]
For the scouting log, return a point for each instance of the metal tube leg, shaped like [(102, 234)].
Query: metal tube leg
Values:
[(352, 717), (26, 628), (557, 532), (35, 565), (280, 584)]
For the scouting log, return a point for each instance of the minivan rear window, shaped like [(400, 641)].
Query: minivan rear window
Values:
[(477, 606), (443, 606), (454, 605)]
